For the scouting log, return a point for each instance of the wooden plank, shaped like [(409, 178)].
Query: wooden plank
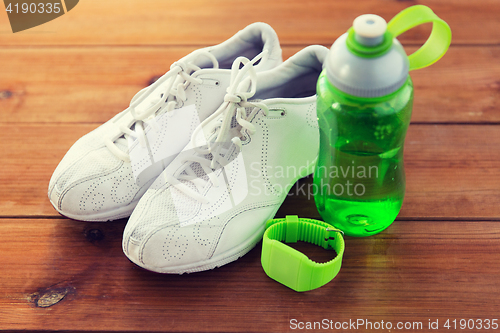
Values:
[(415, 271), (187, 22), (92, 84), (452, 171), (30, 154), (438, 261)]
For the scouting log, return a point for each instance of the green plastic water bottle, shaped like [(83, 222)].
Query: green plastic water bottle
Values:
[(364, 105)]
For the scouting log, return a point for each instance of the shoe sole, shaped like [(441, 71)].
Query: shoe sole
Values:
[(214, 262), (115, 214)]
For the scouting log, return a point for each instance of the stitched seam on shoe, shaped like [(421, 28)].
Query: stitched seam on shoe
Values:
[(236, 213), (264, 156), (221, 229), (310, 120), (67, 170), (147, 204), (197, 103), (146, 240), (81, 181), (161, 226), (148, 185)]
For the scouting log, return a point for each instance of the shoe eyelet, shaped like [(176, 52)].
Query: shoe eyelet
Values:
[(245, 138), (276, 113), (211, 82)]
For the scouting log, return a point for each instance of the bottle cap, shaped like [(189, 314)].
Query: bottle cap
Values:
[(368, 61), (366, 71), (369, 29)]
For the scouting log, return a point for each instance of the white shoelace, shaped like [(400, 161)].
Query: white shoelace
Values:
[(179, 77), (235, 102)]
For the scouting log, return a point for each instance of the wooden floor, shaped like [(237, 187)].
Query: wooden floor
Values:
[(438, 261)]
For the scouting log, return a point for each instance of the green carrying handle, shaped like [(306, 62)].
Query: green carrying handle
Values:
[(439, 40)]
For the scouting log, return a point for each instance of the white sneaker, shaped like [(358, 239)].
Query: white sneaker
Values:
[(96, 180), (210, 205)]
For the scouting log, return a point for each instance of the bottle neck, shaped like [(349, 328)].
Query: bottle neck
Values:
[(368, 41), (369, 47), (345, 98)]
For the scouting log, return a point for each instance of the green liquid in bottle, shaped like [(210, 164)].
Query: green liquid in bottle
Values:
[(359, 179)]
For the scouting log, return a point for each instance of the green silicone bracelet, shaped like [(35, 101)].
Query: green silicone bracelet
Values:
[(292, 268)]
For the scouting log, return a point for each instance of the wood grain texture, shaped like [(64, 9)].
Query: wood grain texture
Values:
[(46, 85), (437, 261), (406, 273), (188, 22), (452, 171)]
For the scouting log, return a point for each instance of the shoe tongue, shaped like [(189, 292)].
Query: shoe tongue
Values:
[(122, 144), (212, 128), (224, 152), (159, 92), (153, 97), (198, 170), (200, 59), (250, 109)]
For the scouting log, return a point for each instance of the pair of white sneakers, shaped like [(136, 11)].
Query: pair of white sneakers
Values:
[(202, 158)]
